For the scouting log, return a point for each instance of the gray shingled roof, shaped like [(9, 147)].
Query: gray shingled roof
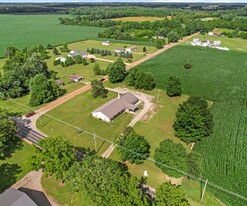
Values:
[(116, 106), (76, 53), (12, 197)]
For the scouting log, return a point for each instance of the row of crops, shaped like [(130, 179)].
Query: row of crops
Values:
[(220, 77)]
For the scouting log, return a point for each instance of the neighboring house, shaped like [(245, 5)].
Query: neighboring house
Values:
[(76, 78), (119, 50), (210, 33), (90, 56), (106, 43), (74, 53), (12, 197), (115, 107), (62, 59), (132, 48), (215, 44), (158, 37), (59, 82)]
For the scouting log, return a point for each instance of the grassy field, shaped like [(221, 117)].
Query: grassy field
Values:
[(138, 18), (15, 166), (28, 30), (77, 112), (236, 44), (220, 77)]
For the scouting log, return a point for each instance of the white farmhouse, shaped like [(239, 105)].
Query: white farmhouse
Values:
[(115, 107), (62, 59), (106, 43)]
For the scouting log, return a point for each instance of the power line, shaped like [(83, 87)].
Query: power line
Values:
[(133, 152)]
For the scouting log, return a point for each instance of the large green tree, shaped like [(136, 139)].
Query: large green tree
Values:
[(168, 194), (140, 80), (116, 71), (174, 87), (18, 72), (105, 182), (55, 156), (10, 52), (193, 120), (133, 147), (98, 89), (43, 90), (171, 157)]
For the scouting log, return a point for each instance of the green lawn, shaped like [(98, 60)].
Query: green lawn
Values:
[(28, 30), (235, 44), (62, 194), (77, 112), (218, 76), (15, 166)]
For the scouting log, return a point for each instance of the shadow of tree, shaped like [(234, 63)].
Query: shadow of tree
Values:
[(12, 144), (8, 175)]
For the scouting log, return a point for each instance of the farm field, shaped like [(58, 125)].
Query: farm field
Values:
[(77, 112), (15, 166), (235, 44), (215, 77), (28, 30), (138, 18)]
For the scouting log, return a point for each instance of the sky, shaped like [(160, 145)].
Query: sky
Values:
[(93, 1)]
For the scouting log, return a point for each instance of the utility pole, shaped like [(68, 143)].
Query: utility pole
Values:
[(204, 189), (158, 95), (94, 138)]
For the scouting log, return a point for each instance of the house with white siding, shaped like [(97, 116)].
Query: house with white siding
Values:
[(112, 109)]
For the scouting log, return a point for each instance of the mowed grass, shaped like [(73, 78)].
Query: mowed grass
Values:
[(15, 166), (138, 18), (235, 44), (62, 194), (77, 112), (28, 30), (218, 76)]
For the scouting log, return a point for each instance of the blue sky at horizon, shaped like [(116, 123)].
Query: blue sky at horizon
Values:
[(94, 1)]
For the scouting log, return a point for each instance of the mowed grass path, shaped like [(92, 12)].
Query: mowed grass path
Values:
[(77, 112), (28, 30), (138, 18), (218, 76)]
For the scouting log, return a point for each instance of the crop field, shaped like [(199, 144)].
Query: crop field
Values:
[(77, 112), (28, 30), (236, 44), (138, 18), (220, 77)]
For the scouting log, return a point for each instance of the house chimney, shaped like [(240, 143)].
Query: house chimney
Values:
[(118, 96)]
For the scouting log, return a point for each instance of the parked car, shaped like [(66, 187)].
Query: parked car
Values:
[(29, 114)]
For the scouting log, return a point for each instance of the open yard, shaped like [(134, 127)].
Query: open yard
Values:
[(138, 18), (236, 44), (77, 112), (220, 77), (15, 166), (28, 30)]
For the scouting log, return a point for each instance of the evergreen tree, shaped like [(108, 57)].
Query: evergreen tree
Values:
[(116, 71), (55, 51), (98, 89), (174, 87), (96, 69)]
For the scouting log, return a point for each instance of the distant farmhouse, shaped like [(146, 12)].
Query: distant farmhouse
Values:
[(106, 43), (158, 37), (74, 53), (12, 197), (62, 59), (115, 107), (215, 44), (132, 48), (119, 50), (76, 78), (59, 82)]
